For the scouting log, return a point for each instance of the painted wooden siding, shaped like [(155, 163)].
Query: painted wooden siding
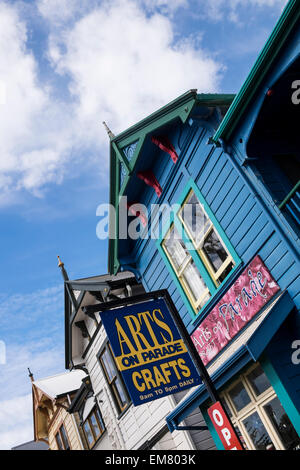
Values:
[(63, 417), (137, 424), (246, 223), (241, 215)]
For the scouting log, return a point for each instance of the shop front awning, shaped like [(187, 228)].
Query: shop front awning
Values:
[(249, 345)]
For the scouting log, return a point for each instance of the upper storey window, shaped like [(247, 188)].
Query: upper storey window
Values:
[(197, 250)]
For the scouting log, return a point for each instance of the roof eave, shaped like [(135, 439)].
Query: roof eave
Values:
[(180, 107), (259, 70)]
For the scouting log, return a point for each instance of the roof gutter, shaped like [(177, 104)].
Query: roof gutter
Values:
[(262, 65)]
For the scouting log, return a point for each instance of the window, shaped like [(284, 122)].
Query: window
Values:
[(93, 427), (186, 270), (196, 251), (114, 379), (258, 415), (62, 439)]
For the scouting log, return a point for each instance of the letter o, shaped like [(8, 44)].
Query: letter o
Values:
[(126, 361), (218, 418)]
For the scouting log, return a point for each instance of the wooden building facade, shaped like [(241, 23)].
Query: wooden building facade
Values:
[(53, 424), (214, 182), (104, 404)]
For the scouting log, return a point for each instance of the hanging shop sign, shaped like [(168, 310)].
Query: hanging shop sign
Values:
[(149, 350), (245, 298), (223, 427)]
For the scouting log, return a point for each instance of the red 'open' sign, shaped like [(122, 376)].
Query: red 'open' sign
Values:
[(223, 427)]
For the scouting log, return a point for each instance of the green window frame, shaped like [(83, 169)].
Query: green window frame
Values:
[(200, 258)]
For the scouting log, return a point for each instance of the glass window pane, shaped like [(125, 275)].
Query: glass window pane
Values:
[(108, 364), (214, 250), (239, 396), (120, 392), (225, 273), (94, 425), (258, 380), (241, 437), (175, 248), (227, 409), (88, 432), (194, 281), (100, 419), (258, 433), (59, 442), (195, 218), (64, 437), (282, 424)]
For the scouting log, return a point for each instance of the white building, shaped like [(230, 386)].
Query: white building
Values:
[(125, 427)]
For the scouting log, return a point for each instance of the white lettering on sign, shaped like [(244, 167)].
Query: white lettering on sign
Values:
[(296, 94), (218, 419), (223, 427)]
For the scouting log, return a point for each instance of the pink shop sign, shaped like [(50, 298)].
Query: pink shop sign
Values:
[(245, 298)]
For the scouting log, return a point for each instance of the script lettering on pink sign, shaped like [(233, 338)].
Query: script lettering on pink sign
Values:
[(245, 298)]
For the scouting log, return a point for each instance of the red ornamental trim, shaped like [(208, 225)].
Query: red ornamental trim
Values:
[(164, 144), (149, 178), (137, 213)]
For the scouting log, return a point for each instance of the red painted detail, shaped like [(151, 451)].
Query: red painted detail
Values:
[(137, 212), (223, 427), (270, 92), (164, 144), (149, 178)]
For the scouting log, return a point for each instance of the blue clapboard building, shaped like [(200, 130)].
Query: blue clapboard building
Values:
[(213, 181)]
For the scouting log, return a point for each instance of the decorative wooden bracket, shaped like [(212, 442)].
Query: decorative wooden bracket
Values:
[(165, 145), (82, 326), (149, 178), (137, 213)]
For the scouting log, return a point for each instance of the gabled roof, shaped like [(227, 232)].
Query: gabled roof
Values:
[(61, 384), (78, 292), (126, 147), (32, 445), (261, 67), (44, 394)]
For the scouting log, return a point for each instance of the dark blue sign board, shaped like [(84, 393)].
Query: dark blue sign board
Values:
[(149, 350)]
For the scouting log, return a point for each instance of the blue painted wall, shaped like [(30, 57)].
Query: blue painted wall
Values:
[(244, 209)]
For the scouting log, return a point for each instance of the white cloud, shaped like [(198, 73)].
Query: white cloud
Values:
[(58, 12), (124, 64), (44, 359), (35, 340), (165, 6), (33, 142), (120, 61), (218, 10), (40, 307), (114, 60), (16, 421), (24, 99)]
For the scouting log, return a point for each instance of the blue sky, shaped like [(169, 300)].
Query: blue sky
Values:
[(66, 66)]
